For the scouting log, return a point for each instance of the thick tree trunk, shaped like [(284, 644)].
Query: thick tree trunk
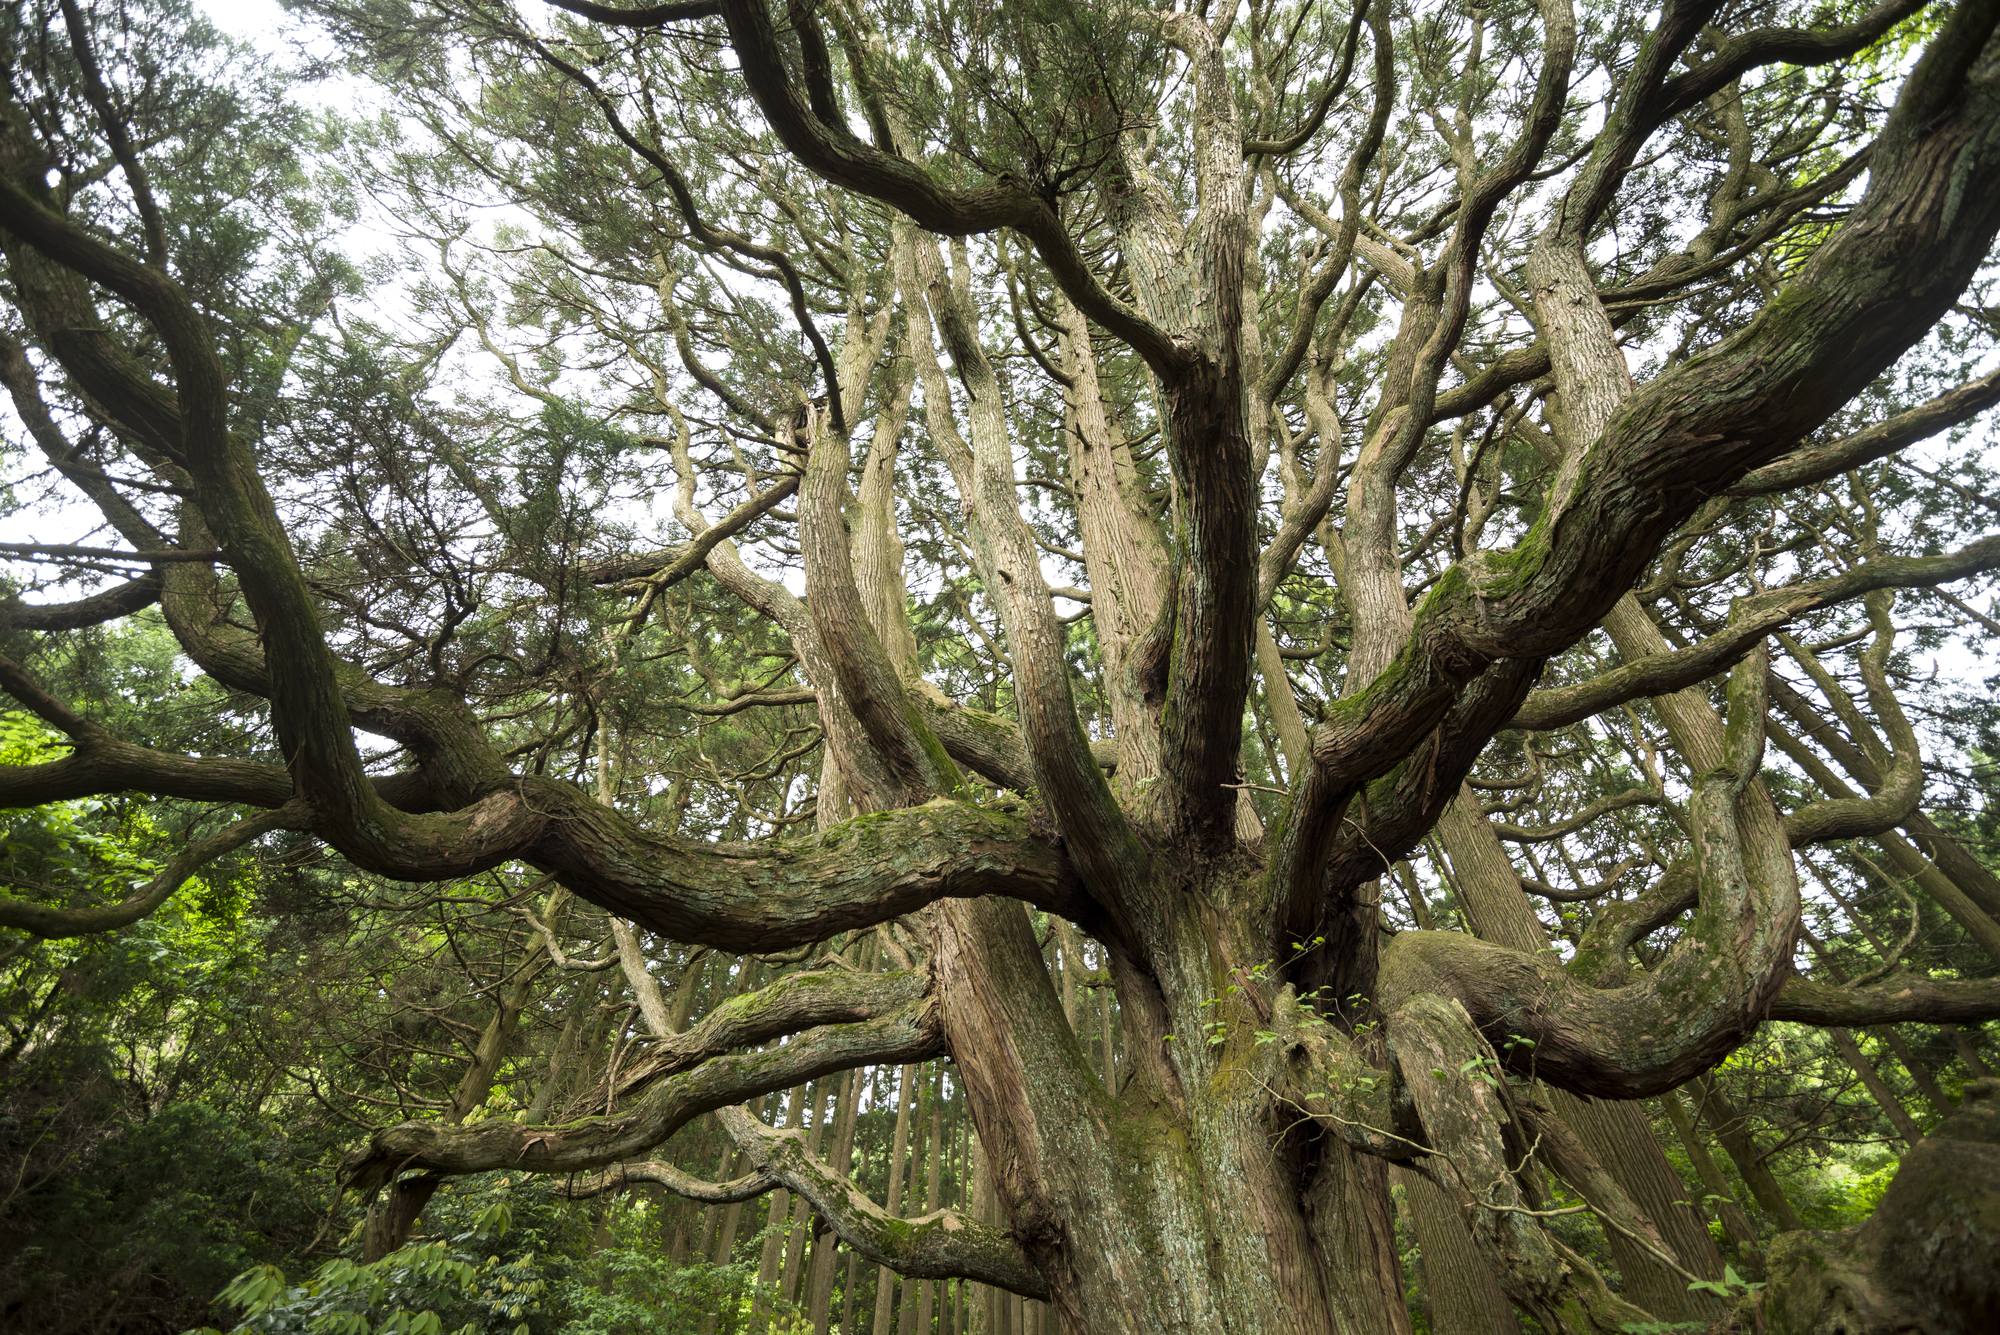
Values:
[(1465, 1298), (1927, 1260), (1178, 1216), (391, 1218)]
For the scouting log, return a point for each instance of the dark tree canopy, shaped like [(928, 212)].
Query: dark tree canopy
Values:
[(1423, 558)]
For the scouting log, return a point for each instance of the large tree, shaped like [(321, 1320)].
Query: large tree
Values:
[(1399, 387)]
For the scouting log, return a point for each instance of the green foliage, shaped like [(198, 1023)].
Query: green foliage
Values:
[(643, 1293), (425, 1288), (1843, 1193), (1731, 1285), (140, 1221)]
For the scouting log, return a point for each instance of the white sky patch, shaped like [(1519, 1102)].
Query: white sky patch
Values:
[(255, 21)]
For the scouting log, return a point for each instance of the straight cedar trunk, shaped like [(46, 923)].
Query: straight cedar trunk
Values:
[(848, 1292), (805, 1223), (1618, 1133), (899, 1156), (777, 1218), (1967, 1053), (921, 1112), (981, 1300), (826, 1253), (727, 1221), (1735, 1224), (1920, 1074), (1878, 1088), (391, 1219), (933, 1163)]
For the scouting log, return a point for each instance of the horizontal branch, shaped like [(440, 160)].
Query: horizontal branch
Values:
[(1502, 374), (47, 921), (1631, 797), (101, 763), (987, 743), (662, 570), (1770, 46), (646, 16), (750, 700), (756, 898), (911, 1034), (118, 601), (1750, 620), (1582, 893), (1903, 1000), (168, 556), (745, 898), (1817, 463), (790, 1005), (941, 1245), (681, 1183), (1591, 1031)]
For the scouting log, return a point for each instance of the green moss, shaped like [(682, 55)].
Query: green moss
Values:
[(941, 762), (979, 718), (1499, 574)]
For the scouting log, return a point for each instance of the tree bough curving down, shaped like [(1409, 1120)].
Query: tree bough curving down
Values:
[(1211, 272)]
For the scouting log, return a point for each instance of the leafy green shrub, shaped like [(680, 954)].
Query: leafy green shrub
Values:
[(645, 1293), (426, 1288), (134, 1225)]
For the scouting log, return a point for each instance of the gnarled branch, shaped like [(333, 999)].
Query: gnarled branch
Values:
[(911, 1034), (942, 1245)]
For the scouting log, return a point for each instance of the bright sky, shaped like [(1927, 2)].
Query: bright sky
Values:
[(252, 20)]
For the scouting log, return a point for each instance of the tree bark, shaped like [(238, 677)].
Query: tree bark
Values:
[(1464, 1297), (1735, 1224)]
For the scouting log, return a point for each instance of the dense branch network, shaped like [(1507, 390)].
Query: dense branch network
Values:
[(1362, 575)]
